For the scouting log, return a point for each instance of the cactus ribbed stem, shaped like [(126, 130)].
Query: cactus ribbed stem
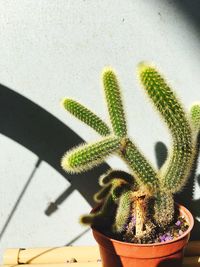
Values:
[(175, 170), (195, 116), (114, 102), (143, 172), (123, 211), (86, 116), (86, 156), (163, 208)]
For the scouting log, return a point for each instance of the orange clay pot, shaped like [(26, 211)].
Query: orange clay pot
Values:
[(115, 253)]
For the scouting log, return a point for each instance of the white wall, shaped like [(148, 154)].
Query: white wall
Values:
[(55, 48)]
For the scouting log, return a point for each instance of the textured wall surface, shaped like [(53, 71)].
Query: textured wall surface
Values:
[(56, 48)]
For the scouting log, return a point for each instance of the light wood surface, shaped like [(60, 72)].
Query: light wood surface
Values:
[(84, 256)]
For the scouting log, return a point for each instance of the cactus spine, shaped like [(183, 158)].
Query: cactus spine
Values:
[(146, 194)]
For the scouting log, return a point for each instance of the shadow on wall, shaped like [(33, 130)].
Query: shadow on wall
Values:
[(190, 8), (39, 131)]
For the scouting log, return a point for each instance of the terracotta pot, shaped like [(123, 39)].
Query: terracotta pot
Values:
[(115, 253)]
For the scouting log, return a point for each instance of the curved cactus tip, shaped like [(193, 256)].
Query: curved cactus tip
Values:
[(86, 219), (86, 156), (65, 163), (143, 66), (106, 70), (195, 115), (63, 102)]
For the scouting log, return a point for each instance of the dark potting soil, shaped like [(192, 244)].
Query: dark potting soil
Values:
[(172, 232), (159, 235)]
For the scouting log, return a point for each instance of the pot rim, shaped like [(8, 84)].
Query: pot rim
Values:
[(186, 213)]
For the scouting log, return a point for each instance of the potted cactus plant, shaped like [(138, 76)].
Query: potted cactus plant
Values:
[(136, 222)]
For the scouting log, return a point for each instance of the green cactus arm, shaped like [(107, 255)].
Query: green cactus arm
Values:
[(163, 209), (123, 211), (86, 116), (142, 170), (195, 116), (114, 102), (86, 156), (176, 168)]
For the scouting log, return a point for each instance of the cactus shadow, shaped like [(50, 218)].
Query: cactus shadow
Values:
[(185, 197), (39, 131), (161, 153), (190, 8)]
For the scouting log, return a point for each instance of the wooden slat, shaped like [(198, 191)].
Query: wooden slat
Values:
[(51, 255), (86, 264), (188, 262), (84, 256)]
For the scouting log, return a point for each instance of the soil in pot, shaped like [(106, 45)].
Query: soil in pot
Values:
[(171, 232), (158, 235)]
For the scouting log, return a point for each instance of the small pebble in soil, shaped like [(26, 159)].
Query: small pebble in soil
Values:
[(173, 231), (178, 223)]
